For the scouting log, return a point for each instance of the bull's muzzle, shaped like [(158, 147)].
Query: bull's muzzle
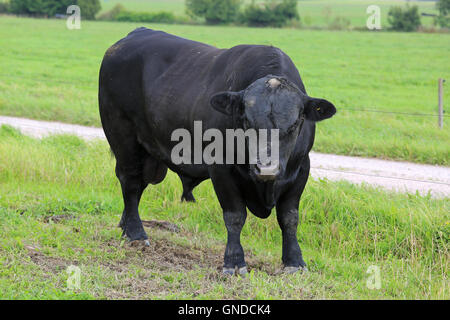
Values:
[(267, 173)]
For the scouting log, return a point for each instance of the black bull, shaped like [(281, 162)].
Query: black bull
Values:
[(152, 83)]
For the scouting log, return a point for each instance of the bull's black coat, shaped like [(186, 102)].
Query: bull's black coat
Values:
[(152, 83)]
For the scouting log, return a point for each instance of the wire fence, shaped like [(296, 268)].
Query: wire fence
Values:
[(95, 86), (396, 112)]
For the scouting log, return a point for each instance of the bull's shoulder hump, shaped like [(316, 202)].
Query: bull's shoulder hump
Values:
[(156, 37), (143, 41), (261, 53), (257, 48), (143, 33)]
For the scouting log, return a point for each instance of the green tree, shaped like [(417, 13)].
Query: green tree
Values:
[(407, 19), (113, 13), (443, 19), (272, 13), (89, 8), (4, 7), (214, 11), (39, 7)]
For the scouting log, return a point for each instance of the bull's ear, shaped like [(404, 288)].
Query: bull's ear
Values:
[(226, 101), (318, 109)]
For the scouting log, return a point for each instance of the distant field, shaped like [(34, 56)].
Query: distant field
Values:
[(48, 72), (175, 6), (313, 13), (60, 204)]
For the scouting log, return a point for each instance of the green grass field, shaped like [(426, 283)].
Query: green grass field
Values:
[(49, 72), (60, 204), (313, 13)]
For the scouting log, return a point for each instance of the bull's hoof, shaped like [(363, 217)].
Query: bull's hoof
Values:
[(134, 233), (187, 197), (228, 271), (291, 270), (242, 271), (139, 243), (232, 271)]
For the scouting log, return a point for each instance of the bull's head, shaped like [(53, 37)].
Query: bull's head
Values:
[(272, 102)]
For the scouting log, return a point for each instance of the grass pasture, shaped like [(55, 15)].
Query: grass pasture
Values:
[(60, 201), (60, 204), (49, 72)]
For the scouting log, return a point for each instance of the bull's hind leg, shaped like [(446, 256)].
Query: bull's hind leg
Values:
[(134, 178), (135, 168), (188, 185), (132, 184)]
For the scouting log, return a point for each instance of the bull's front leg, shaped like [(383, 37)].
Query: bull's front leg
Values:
[(288, 219), (234, 253), (234, 215), (291, 253)]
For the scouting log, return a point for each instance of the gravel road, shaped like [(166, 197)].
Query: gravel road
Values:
[(392, 175)]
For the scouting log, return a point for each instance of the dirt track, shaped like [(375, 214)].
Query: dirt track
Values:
[(392, 175)]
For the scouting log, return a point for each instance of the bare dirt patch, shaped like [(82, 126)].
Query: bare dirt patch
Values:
[(169, 264), (46, 263), (58, 218), (167, 255), (164, 225)]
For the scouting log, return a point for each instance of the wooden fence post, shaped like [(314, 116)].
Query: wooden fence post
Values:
[(441, 102)]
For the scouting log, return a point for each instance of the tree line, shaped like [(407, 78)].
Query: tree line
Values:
[(275, 13), (50, 8)]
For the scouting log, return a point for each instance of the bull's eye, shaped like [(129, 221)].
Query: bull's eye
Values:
[(292, 127), (297, 123)]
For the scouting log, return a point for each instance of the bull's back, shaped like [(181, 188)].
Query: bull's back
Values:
[(152, 76), (143, 48)]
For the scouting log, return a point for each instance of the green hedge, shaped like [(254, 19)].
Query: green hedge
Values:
[(443, 19), (89, 8), (214, 11), (407, 19), (119, 13), (160, 17), (111, 15)]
